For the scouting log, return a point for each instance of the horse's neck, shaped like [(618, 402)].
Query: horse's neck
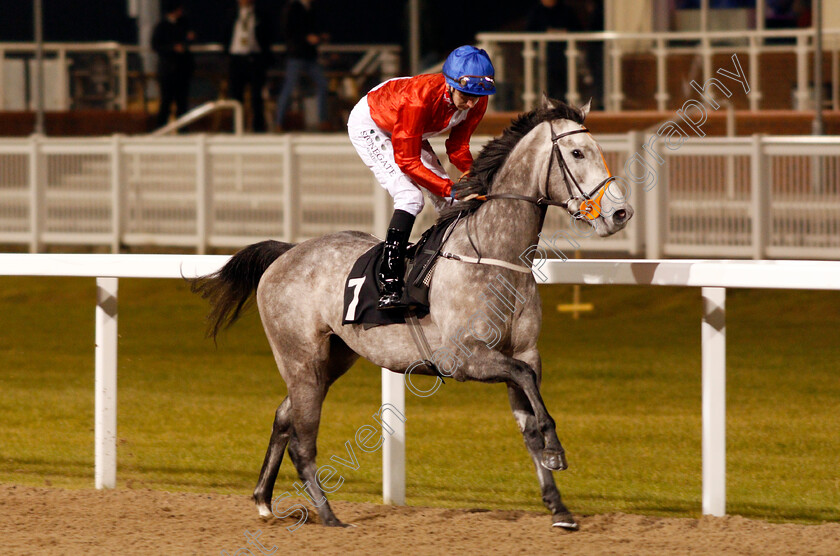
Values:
[(505, 228)]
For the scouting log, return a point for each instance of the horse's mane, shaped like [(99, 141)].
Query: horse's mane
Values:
[(495, 153)]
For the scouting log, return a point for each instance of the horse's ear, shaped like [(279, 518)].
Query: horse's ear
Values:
[(547, 103), (584, 110)]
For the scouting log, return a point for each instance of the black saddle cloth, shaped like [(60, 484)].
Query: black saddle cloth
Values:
[(361, 290)]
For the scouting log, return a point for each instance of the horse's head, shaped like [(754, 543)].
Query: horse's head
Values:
[(576, 176), (547, 157)]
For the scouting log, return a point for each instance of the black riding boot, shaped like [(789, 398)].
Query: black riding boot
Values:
[(392, 267)]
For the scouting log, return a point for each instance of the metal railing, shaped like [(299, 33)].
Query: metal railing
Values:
[(202, 111), (17, 63), (529, 69), (751, 197), (115, 71)]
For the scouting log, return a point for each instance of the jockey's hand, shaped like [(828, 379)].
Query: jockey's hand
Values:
[(450, 197)]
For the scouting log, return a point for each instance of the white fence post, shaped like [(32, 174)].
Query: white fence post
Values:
[(572, 52), (714, 401), (755, 82), (122, 61), (637, 196), (393, 447), (661, 95), (802, 93), (656, 208), (204, 205), (117, 178), (106, 384), (760, 197), (37, 196), (3, 78), (290, 194), (616, 95), (529, 97)]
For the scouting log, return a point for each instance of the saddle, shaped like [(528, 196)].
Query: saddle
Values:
[(361, 290)]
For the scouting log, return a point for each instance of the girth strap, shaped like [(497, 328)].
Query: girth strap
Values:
[(419, 337)]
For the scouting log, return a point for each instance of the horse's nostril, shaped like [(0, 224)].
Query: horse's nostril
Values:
[(620, 215)]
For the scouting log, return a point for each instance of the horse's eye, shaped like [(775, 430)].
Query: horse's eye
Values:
[(577, 154)]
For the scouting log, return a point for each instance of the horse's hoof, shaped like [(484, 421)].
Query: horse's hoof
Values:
[(265, 512), (335, 522), (564, 521), (554, 461)]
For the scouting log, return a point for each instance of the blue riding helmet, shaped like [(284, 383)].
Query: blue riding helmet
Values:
[(468, 69)]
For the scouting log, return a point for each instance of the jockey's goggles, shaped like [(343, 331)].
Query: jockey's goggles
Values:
[(471, 82)]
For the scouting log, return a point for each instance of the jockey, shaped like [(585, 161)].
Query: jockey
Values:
[(390, 128)]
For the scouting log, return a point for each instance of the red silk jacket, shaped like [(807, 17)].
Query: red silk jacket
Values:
[(412, 109)]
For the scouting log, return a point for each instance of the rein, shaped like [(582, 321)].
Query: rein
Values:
[(589, 206)]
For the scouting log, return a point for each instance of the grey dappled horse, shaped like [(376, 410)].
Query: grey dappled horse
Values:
[(544, 158)]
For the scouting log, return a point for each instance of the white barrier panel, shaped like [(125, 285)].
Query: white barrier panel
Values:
[(113, 266), (793, 275), (712, 276)]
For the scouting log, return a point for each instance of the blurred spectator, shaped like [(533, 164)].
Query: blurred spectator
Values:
[(303, 33), (591, 18), (786, 14), (553, 16), (571, 16), (248, 45), (171, 38)]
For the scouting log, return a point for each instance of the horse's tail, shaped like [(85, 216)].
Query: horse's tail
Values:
[(229, 289)]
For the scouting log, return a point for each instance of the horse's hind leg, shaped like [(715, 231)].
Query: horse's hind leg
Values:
[(306, 413), (280, 434), (283, 433)]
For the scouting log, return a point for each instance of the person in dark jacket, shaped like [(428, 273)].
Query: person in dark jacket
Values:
[(248, 46), (171, 39), (552, 16), (303, 35)]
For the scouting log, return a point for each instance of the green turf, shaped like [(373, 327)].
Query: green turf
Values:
[(623, 384)]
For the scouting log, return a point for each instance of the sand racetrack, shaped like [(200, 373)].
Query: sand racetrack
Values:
[(57, 521)]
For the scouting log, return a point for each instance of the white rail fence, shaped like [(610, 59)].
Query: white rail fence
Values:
[(754, 197), (713, 277), (522, 59)]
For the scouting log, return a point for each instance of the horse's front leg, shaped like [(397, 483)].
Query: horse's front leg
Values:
[(527, 381), (486, 365), (524, 415)]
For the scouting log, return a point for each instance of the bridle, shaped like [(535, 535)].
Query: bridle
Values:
[(589, 204)]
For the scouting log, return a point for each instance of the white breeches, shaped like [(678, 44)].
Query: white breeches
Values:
[(376, 151)]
